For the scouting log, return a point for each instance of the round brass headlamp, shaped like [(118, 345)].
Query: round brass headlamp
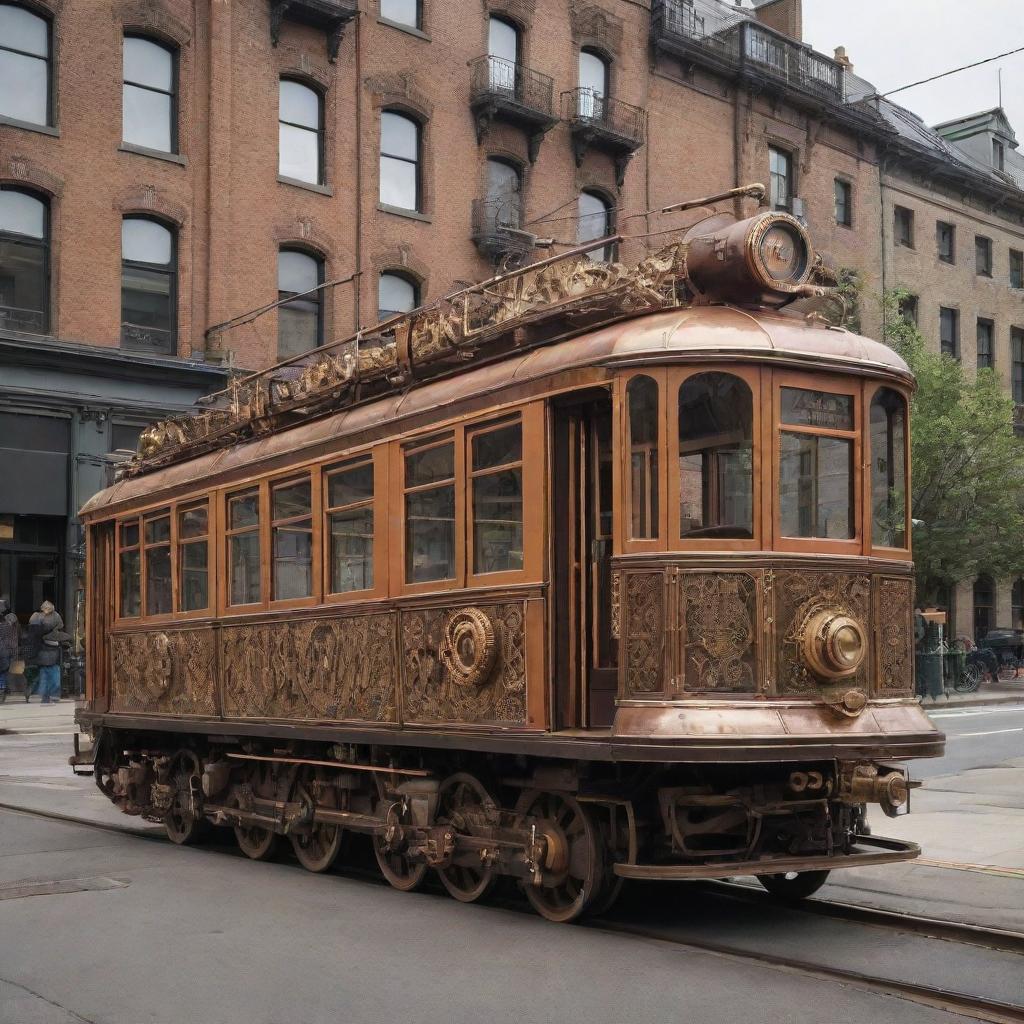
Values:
[(834, 644)]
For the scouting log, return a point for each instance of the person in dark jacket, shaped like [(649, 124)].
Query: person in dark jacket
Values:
[(8, 643), (47, 624)]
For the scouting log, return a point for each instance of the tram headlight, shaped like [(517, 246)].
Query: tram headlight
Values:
[(834, 644)]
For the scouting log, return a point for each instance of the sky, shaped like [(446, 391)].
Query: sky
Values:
[(895, 42)]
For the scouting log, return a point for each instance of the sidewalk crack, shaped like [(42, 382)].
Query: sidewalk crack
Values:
[(51, 1002)]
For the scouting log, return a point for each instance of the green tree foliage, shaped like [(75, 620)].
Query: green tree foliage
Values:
[(967, 465)]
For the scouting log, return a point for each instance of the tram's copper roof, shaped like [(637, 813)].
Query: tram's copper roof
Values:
[(723, 333)]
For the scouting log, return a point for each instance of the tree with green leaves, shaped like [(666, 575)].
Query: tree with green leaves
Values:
[(967, 465)]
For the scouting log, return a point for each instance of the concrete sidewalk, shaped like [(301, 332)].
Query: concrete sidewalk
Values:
[(1006, 691)]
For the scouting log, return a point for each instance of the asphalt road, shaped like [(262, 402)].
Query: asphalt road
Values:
[(976, 738)]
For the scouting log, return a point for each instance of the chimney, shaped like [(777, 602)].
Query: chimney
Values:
[(841, 58), (785, 16)]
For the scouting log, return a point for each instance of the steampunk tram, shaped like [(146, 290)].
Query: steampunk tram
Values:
[(588, 572)]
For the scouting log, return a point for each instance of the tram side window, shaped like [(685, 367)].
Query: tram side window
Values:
[(130, 559), (497, 490), (816, 464), (716, 448), (156, 531), (244, 547), (291, 513), (888, 470), (193, 557), (642, 401), (350, 525), (430, 512)]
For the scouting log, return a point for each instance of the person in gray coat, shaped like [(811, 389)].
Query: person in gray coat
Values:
[(48, 624), (8, 643)]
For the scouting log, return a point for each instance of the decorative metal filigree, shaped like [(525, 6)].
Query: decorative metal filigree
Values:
[(469, 646), (643, 632), (615, 626), (719, 613), (159, 672), (894, 632), (433, 693)]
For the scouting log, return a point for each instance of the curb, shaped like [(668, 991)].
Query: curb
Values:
[(932, 704)]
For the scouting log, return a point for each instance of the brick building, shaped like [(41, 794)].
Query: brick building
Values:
[(169, 165)]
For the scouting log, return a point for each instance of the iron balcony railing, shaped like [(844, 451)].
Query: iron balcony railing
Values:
[(28, 321), (506, 84), (585, 107), (497, 230), (138, 338), (697, 28)]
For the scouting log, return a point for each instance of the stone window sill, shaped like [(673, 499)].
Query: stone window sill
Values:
[(408, 29), (155, 154), (28, 126), (322, 190), (398, 211)]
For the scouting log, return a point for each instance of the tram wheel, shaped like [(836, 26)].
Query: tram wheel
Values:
[(794, 885), (397, 867), (462, 803), (183, 825), (574, 869), (256, 842), (317, 847)]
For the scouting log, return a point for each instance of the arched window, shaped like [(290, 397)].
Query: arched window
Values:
[(149, 272), (503, 53), (399, 161), (402, 12), (300, 132), (716, 457), (642, 400), (396, 293), (504, 193), (148, 99), (593, 85), (984, 606), (1017, 604), (24, 261), (299, 322), (24, 65), (888, 470), (595, 221)]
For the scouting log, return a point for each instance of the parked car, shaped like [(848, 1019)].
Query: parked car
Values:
[(1007, 645)]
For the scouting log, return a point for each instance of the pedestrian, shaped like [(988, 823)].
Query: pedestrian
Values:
[(47, 625), (8, 644)]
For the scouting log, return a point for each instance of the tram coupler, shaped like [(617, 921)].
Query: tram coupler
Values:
[(867, 783)]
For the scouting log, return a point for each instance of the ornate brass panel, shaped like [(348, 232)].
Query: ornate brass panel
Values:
[(719, 613), (336, 668), (168, 672), (894, 633), (798, 595), (492, 688), (643, 632)]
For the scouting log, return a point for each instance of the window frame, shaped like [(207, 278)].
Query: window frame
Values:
[(871, 390), (171, 270), (832, 384), (607, 253), (903, 213), (51, 65), (316, 297), (46, 244), (119, 523), (321, 129), (409, 279), (628, 543), (1015, 274), (1017, 386), (377, 457), (418, 163), (980, 323), (984, 256), (187, 505), (225, 607), (951, 258), (418, 26), (294, 475), (790, 160), (955, 354), (174, 50), (846, 186), (752, 377)]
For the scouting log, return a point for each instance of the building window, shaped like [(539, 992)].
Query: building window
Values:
[(998, 155), (24, 65), (949, 332), (1017, 359), (148, 286), (402, 12), (156, 535), (903, 226), (503, 57), (350, 526), (945, 241), (716, 457), (193, 557), (504, 194), (908, 309), (299, 322), (291, 526), (300, 132), (24, 261), (983, 256), (986, 331), (642, 400), (496, 489), (430, 511), (243, 536), (1016, 268), (399, 161), (396, 294), (148, 114), (888, 469), (594, 87), (984, 606), (129, 570), (780, 168), (844, 203), (595, 221)]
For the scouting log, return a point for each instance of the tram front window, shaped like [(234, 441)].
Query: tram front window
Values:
[(716, 469), (816, 464), (888, 470)]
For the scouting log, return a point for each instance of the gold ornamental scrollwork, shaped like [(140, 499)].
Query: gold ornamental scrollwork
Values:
[(469, 646)]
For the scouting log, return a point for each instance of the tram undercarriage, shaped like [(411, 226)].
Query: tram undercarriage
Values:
[(568, 831)]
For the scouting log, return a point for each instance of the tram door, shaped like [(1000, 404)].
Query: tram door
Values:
[(586, 655)]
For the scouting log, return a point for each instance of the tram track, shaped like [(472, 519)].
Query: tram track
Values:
[(965, 1004)]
